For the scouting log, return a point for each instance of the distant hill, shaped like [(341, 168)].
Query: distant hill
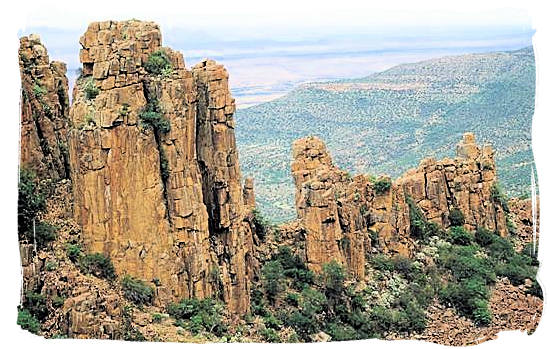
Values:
[(387, 122)]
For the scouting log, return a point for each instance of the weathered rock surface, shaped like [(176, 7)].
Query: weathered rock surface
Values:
[(44, 111), (163, 205), (340, 214)]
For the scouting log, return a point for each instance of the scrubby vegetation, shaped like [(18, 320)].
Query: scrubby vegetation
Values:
[(137, 291), (90, 89), (382, 185), (199, 315), (32, 202), (151, 116), (158, 63), (98, 265)]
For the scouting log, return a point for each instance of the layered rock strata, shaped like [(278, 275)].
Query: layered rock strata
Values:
[(165, 203), (341, 214), (44, 111)]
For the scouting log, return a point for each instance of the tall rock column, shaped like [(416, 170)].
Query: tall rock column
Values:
[(44, 111), (157, 179), (230, 235)]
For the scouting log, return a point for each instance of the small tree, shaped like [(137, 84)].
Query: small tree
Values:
[(272, 279), (158, 63), (456, 217), (137, 291)]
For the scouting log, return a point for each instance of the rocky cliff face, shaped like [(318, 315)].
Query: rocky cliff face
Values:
[(162, 198), (341, 214), (44, 111)]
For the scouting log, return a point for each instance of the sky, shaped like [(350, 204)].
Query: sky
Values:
[(270, 50)]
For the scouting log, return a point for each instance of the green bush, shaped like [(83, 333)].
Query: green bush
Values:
[(382, 185), (39, 91), (420, 228), (90, 89), (98, 265), (535, 290), (35, 303), (341, 332), (470, 297), (151, 116), (456, 217), (403, 265), (270, 335), (27, 321), (261, 224), (465, 262), (484, 237), (333, 275), (74, 252), (516, 269), (501, 249), (498, 197), (292, 299), (158, 63), (460, 236), (199, 315), (273, 279), (382, 262), (137, 291), (30, 203)]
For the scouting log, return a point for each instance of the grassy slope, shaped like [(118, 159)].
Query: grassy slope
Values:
[(388, 130)]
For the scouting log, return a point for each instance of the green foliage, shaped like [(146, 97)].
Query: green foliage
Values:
[(51, 265), (535, 290), (38, 91), (460, 236), (27, 321), (456, 217), (516, 269), (199, 315), (137, 291), (90, 89), (484, 237), (35, 303), (30, 203), (382, 185), (419, 226), (272, 279), (158, 63), (152, 116), (470, 297), (58, 301), (98, 265), (332, 278), (294, 268), (74, 252), (270, 335), (498, 197), (465, 262), (261, 224), (382, 262), (157, 318), (129, 331)]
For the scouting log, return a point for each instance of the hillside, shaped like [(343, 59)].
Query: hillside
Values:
[(387, 122)]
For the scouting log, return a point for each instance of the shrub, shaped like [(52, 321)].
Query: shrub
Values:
[(498, 197), (292, 299), (470, 297), (341, 332), (403, 265), (382, 262), (456, 217), (270, 335), (198, 315), (535, 290), (73, 252), (517, 269), (39, 91), (460, 236), (137, 291), (382, 185), (58, 301), (98, 265), (30, 203), (158, 63), (501, 249), (44, 233), (260, 223), (420, 228), (484, 237), (27, 321), (129, 331), (465, 262), (157, 318), (333, 276), (272, 279), (90, 89), (151, 116), (35, 303)]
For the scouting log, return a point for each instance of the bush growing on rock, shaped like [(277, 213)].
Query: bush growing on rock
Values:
[(137, 291), (90, 89), (273, 279), (158, 63), (151, 116), (199, 315), (460, 236), (456, 217), (98, 265), (27, 321), (382, 185)]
